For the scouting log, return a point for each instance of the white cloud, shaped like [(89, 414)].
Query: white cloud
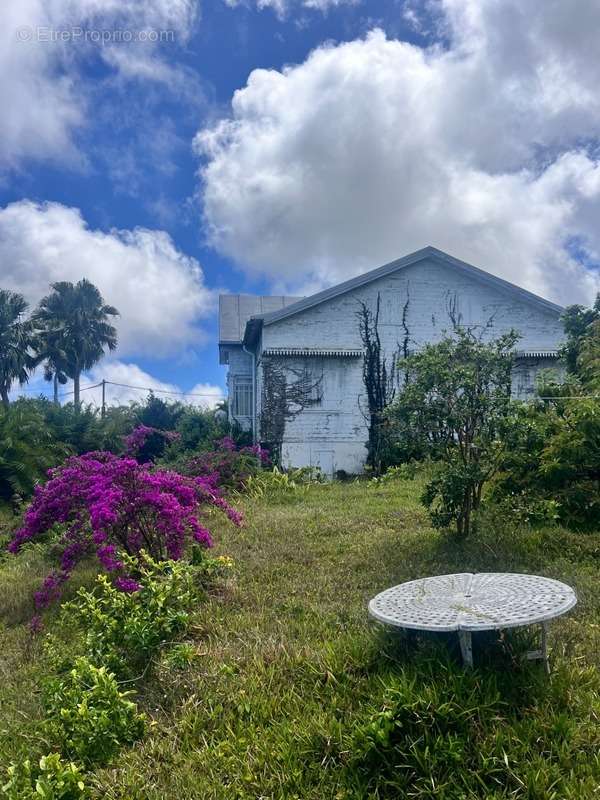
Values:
[(159, 291), (282, 7), (376, 147), (42, 93)]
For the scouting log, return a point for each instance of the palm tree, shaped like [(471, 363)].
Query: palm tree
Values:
[(55, 361), (74, 322), (16, 339)]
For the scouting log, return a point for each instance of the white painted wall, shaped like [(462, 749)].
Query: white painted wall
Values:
[(335, 433)]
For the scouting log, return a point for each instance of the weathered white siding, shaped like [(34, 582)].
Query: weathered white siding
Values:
[(334, 434)]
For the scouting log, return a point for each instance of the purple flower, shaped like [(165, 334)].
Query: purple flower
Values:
[(128, 585), (111, 506)]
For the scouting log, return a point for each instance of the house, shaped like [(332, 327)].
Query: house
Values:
[(314, 343)]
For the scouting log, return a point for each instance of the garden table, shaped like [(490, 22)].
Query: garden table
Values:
[(468, 602)]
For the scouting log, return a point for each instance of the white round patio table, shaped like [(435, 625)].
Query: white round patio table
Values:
[(468, 602)]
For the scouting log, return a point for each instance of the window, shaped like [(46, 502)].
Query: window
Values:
[(242, 398)]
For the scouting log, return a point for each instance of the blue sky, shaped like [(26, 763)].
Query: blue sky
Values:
[(361, 131)]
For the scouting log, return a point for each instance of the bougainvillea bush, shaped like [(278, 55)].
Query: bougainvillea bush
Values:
[(145, 443), (114, 506), (231, 464)]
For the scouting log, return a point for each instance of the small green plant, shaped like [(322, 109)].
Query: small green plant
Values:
[(88, 717), (275, 483), (51, 779), (180, 656), (403, 472), (124, 630)]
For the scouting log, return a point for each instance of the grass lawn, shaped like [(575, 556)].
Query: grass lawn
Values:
[(293, 693)]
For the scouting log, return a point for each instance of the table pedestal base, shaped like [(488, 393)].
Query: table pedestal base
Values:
[(466, 648)]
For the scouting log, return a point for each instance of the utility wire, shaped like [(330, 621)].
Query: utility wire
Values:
[(160, 391), (144, 389)]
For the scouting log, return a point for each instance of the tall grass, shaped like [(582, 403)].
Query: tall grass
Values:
[(294, 694)]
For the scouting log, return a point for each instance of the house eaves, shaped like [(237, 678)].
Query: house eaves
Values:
[(254, 324)]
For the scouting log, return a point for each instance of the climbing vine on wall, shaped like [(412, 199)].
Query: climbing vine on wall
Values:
[(380, 379), (286, 392)]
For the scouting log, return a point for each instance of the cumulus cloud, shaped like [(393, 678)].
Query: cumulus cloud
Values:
[(480, 144), (41, 91), (159, 291)]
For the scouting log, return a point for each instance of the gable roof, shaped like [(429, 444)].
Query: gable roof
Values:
[(431, 253), (236, 309)]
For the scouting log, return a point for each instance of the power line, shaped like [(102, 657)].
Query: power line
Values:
[(161, 391), (145, 389)]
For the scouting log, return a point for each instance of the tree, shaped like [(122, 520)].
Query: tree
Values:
[(578, 323), (74, 322), (457, 403), (16, 338), (49, 351), (379, 380)]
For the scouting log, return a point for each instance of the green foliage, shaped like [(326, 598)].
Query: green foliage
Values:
[(88, 717), (551, 467), (451, 735), (84, 430), (27, 449), (578, 322), (588, 362), (455, 406), (275, 483), (288, 668), (74, 324), (53, 779), (125, 630), (16, 343)]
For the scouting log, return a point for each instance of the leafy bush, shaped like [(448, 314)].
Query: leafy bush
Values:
[(273, 483), (53, 779), (88, 717), (27, 450), (115, 507), (84, 429), (231, 464), (147, 444), (123, 631), (456, 407), (553, 463)]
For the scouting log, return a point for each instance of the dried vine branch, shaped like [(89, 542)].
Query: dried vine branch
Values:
[(286, 392), (379, 380)]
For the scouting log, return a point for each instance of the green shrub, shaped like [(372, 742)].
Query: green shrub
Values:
[(455, 406), (53, 779), (88, 717), (553, 463), (124, 630), (275, 483), (27, 450)]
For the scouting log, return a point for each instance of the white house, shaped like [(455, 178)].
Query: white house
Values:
[(318, 336)]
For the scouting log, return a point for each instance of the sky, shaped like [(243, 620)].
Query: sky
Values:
[(170, 150)]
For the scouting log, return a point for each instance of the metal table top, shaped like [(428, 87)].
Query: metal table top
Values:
[(472, 602)]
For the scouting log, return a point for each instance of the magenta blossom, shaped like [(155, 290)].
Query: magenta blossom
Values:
[(113, 506), (138, 438), (231, 465)]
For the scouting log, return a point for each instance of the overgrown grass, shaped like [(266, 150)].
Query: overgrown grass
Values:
[(288, 691)]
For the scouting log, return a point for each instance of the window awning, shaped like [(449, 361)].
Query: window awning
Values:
[(536, 354), (307, 352)]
